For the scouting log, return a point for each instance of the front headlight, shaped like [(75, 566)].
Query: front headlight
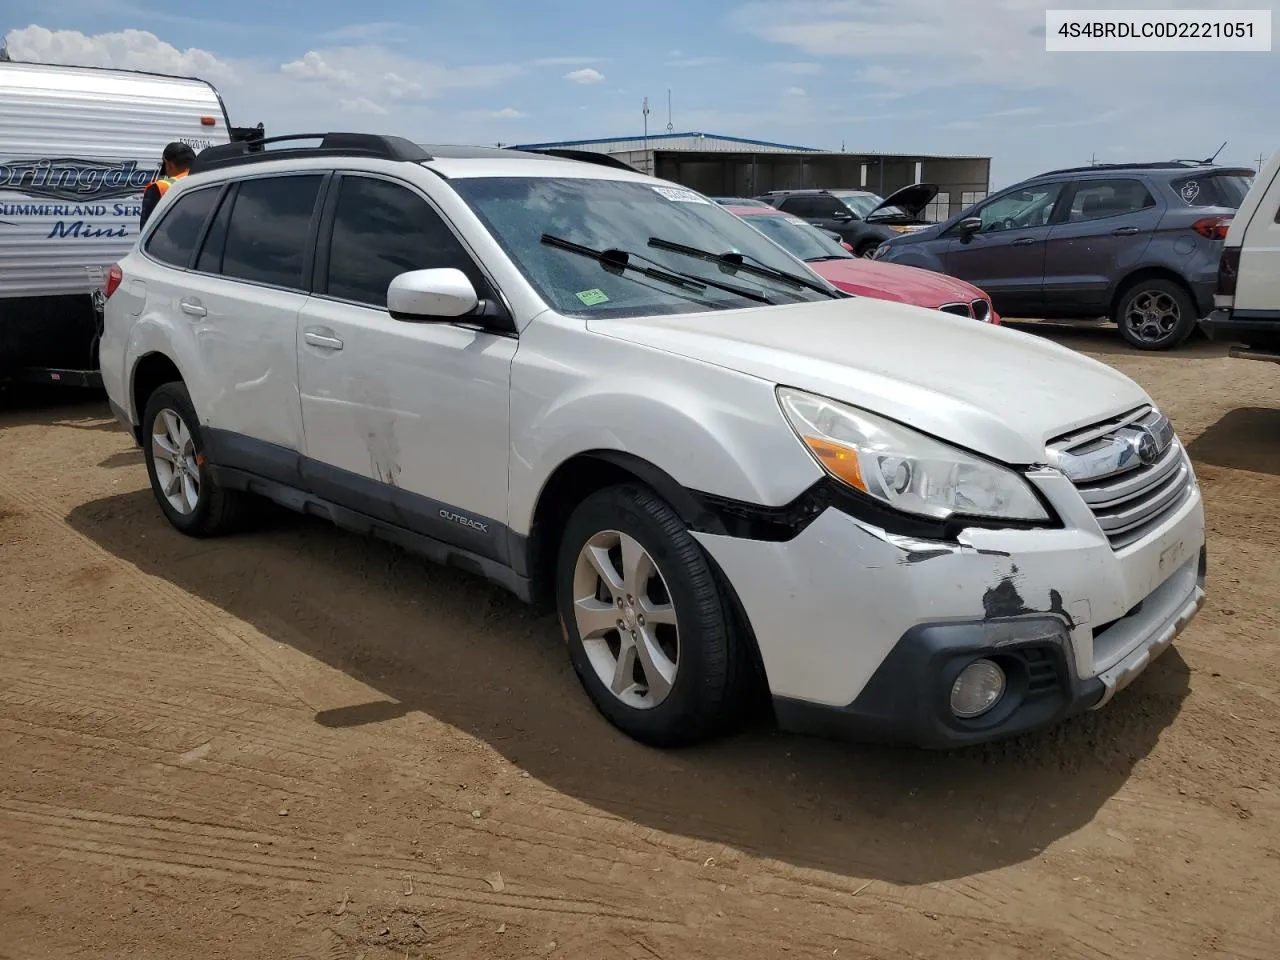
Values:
[(904, 469)]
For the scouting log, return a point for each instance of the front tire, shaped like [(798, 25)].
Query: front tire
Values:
[(181, 478), (1155, 314), (651, 637)]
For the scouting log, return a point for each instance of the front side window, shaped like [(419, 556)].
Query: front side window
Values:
[(1028, 207), (626, 217), (381, 230), (800, 239), (269, 230), (1099, 199), (174, 239)]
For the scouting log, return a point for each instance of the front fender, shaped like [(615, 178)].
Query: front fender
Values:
[(709, 429)]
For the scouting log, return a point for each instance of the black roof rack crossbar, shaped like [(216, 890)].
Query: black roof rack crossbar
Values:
[(371, 145)]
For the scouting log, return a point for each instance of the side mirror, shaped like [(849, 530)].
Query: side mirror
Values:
[(969, 226), (444, 293)]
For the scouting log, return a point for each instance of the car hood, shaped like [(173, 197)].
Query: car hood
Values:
[(996, 391), (912, 198), (891, 281)]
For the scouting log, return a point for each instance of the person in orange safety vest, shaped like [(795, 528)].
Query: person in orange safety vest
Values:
[(178, 158)]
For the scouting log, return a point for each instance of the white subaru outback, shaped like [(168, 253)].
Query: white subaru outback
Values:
[(607, 393)]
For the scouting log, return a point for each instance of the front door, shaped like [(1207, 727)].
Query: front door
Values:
[(408, 422), (1006, 257)]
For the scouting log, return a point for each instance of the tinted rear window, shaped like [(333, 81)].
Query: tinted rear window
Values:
[(174, 240), (1213, 190), (269, 229)]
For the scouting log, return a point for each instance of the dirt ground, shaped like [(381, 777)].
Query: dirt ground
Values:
[(294, 743)]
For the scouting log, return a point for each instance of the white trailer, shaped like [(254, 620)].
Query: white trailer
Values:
[(78, 145)]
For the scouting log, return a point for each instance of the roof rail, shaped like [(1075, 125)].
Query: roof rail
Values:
[(1158, 165), (584, 156), (370, 145)]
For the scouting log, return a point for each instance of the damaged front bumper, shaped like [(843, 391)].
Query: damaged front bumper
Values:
[(862, 633)]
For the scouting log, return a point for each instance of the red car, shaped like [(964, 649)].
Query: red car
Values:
[(832, 261)]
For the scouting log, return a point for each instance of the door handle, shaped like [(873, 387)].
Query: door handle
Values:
[(1023, 242), (1124, 231), (317, 339), (192, 307)]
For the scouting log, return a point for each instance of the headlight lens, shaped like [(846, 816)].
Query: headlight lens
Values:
[(905, 469)]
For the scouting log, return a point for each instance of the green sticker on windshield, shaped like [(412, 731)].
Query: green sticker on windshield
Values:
[(592, 297)]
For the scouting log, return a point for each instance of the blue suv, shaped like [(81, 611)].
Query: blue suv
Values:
[(1136, 243)]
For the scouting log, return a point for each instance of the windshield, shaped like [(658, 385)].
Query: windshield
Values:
[(625, 215), (798, 238)]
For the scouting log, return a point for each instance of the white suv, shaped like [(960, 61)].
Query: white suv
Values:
[(605, 392)]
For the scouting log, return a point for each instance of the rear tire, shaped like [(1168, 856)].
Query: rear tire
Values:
[(181, 477), (651, 636), (1155, 314)]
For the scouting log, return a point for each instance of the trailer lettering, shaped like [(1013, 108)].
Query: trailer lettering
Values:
[(67, 178), (87, 231)]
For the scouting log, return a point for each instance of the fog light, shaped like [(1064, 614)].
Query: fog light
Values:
[(978, 688)]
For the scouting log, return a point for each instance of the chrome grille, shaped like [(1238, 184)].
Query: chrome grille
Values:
[(981, 310), (959, 309), (1131, 471)]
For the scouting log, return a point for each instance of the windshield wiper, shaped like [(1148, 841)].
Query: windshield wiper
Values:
[(744, 263), (614, 259)]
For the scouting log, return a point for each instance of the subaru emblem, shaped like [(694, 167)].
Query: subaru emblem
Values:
[(1146, 446)]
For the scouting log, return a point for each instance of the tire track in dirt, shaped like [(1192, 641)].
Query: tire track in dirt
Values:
[(187, 849)]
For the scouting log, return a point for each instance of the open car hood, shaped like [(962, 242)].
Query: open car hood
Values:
[(913, 199)]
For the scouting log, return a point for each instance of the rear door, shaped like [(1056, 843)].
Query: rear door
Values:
[(1101, 232), (240, 303), (1006, 257)]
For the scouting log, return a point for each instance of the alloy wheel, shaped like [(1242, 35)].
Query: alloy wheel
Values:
[(626, 620), (174, 454), (1152, 316)]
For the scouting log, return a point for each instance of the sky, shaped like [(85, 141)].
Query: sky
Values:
[(912, 76)]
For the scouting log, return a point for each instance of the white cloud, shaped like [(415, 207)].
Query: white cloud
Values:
[(586, 75), (795, 92), (375, 72), (124, 50), (312, 66), (506, 113), (362, 105), (362, 87), (400, 88)]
